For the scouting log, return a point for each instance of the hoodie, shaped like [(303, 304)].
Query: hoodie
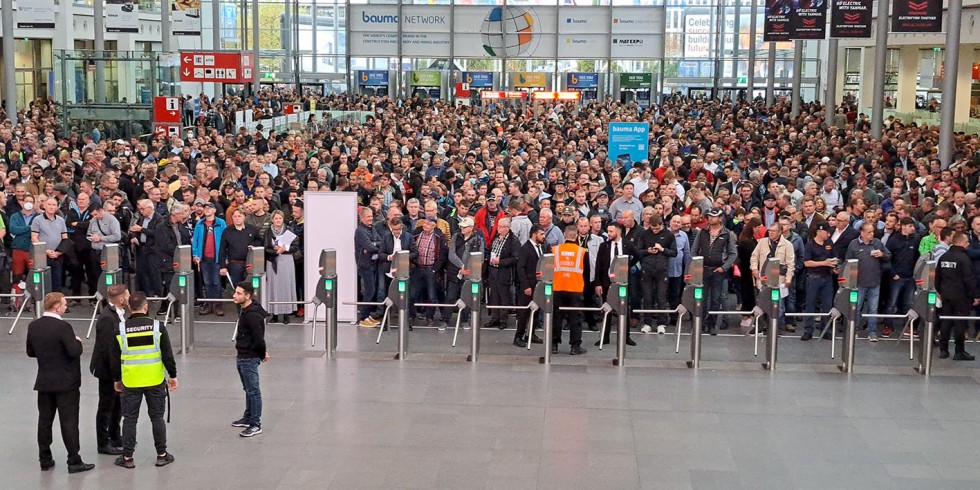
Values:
[(250, 340)]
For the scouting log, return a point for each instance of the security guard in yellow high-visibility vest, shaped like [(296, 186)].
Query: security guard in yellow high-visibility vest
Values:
[(142, 357), (571, 269)]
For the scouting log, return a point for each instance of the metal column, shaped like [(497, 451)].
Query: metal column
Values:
[(771, 75), (951, 62), (830, 97), (255, 47), (752, 48), (165, 30), (215, 25), (878, 95), (99, 26), (9, 67), (797, 91)]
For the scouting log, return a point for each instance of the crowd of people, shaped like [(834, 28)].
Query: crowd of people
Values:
[(736, 182)]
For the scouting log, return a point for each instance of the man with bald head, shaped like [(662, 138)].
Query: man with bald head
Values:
[(82, 266), (842, 234)]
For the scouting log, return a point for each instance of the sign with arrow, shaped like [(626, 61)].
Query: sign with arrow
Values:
[(166, 110), (215, 66)]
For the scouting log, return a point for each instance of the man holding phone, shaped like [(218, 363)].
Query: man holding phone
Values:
[(871, 255)]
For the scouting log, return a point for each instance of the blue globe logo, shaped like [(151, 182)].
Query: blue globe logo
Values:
[(510, 32)]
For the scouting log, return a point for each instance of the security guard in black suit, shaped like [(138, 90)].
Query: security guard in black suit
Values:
[(108, 415), (58, 351), (957, 287)]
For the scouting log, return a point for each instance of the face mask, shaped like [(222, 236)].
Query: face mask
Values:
[(28, 206)]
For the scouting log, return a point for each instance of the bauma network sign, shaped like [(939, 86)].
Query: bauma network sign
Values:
[(511, 31)]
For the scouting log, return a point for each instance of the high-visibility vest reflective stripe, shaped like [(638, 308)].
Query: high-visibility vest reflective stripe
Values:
[(142, 365), (569, 268)]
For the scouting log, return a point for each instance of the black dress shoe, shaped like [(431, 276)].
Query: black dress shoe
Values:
[(111, 450), (275, 318), (828, 336), (285, 319), (593, 328), (80, 467), (577, 350), (598, 342), (501, 325), (47, 466), (554, 348), (963, 356), (806, 336), (944, 354), (520, 343), (536, 340), (630, 343)]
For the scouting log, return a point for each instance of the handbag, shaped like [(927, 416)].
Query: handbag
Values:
[(736, 271)]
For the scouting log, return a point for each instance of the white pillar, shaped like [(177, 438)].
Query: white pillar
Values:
[(866, 95), (908, 72), (964, 80)]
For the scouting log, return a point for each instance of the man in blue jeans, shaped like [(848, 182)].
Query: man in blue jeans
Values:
[(250, 344), (205, 249), (819, 261), (871, 254)]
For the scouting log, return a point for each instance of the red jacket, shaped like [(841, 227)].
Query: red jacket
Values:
[(480, 223)]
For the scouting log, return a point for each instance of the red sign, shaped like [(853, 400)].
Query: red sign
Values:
[(216, 67), (493, 95), (166, 110), (292, 109), (164, 129)]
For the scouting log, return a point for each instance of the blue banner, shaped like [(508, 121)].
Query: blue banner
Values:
[(372, 77), (582, 80), (629, 143), (478, 79)]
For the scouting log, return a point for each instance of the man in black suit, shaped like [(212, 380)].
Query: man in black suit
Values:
[(172, 231), (108, 416), (500, 273), (842, 234), (150, 259), (613, 247), (527, 278), (58, 351)]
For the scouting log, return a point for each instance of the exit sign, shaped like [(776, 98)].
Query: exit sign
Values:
[(269, 75), (743, 79)]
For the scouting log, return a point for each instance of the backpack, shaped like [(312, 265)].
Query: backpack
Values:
[(920, 264)]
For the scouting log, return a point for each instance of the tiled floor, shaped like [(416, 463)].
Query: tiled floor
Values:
[(365, 421)]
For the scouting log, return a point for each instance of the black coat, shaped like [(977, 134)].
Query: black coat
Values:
[(270, 249), (106, 330), (602, 262), (955, 281), (840, 246), (157, 225), (504, 271), (527, 264), (58, 352), (387, 247), (166, 240)]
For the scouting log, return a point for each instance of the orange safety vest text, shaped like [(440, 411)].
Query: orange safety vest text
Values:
[(569, 268)]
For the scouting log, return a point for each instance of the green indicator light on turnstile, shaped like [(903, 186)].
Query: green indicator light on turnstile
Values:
[(854, 297), (182, 281), (255, 283), (622, 291), (698, 294), (401, 286), (775, 295), (37, 278), (547, 289), (108, 280), (931, 298), (328, 284), (475, 288)]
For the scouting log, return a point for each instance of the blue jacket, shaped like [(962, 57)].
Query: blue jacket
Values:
[(197, 241), (20, 229)]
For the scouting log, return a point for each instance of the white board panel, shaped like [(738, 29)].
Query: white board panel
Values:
[(331, 220)]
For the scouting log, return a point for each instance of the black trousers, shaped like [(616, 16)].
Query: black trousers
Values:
[(108, 415), (654, 283), (156, 405), (523, 316), (86, 267), (65, 404), (500, 280), (565, 299), (955, 328)]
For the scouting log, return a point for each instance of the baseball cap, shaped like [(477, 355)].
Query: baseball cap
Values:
[(715, 213), (210, 204), (768, 196), (466, 222), (823, 226), (199, 201), (491, 197), (567, 211)]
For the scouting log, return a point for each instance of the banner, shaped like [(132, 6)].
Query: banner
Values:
[(526, 79), (777, 26), (629, 143), (372, 77), (122, 16), (34, 14), (917, 16), (185, 17), (478, 79), (809, 20), (635, 80), (582, 80), (425, 79), (851, 18)]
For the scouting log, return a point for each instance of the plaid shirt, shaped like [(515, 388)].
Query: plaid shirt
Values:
[(498, 245), (427, 249)]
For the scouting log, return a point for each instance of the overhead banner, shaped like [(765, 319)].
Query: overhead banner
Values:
[(425, 79), (629, 143), (34, 14), (635, 80), (582, 80), (185, 17), (917, 16), (122, 16), (777, 25), (478, 79), (524, 79), (372, 77), (809, 20), (851, 19)]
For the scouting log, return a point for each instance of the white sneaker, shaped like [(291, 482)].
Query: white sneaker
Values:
[(646, 329), (661, 329)]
